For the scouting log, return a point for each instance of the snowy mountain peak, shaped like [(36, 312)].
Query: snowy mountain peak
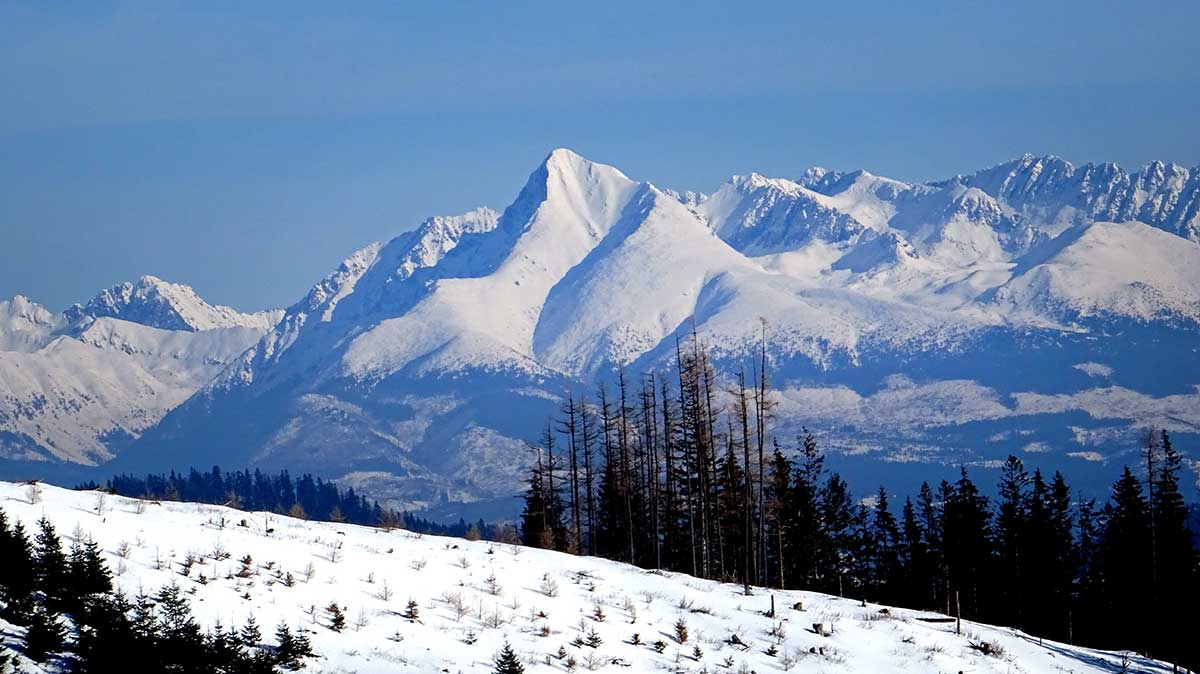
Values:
[(591, 188), (21, 311), (24, 324), (759, 215), (757, 180), (156, 303), (428, 356), (565, 174)]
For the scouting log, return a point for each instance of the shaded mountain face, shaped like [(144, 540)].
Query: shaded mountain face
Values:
[(913, 326)]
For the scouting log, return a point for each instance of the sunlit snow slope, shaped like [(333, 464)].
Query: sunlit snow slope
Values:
[(539, 601)]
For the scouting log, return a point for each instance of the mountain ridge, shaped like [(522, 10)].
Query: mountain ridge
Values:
[(79, 385), (427, 360)]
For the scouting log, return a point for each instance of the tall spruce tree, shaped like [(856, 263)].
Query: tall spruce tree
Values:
[(50, 567), (778, 496), (1123, 560), (87, 575), (967, 547), (917, 583), (18, 580), (1176, 575), (804, 549), (840, 542), (886, 570), (1054, 558), (1012, 538)]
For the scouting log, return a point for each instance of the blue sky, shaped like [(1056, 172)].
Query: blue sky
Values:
[(246, 148)]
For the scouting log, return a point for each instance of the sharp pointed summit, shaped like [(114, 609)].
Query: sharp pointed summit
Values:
[(426, 361)]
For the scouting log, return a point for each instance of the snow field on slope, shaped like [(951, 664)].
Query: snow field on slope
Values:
[(538, 601)]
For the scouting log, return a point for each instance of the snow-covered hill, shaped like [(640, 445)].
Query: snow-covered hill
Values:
[(421, 365), (80, 385), (472, 597)]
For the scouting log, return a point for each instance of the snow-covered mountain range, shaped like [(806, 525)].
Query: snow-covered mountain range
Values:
[(1033, 307), (79, 385)]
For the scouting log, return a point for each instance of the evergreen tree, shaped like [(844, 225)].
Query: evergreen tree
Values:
[(87, 574), (887, 545), (1053, 558), (292, 648), (1123, 559), (929, 513), (916, 563), (50, 567), (18, 580), (804, 549), (507, 662), (108, 641), (779, 523), (44, 636), (1012, 534), (839, 541), (1176, 575), (967, 546), (225, 646), (541, 519), (180, 644), (733, 525), (337, 619), (250, 636)]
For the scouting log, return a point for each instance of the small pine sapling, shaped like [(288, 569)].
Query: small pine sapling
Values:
[(337, 619), (681, 631), (411, 612)]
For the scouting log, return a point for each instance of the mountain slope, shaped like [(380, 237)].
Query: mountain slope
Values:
[(421, 365), (538, 601), (81, 385), (1126, 270)]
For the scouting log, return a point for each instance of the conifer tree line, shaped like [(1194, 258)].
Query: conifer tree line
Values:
[(676, 471), (305, 497), (42, 585)]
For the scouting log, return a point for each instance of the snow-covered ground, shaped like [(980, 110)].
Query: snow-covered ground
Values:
[(474, 596)]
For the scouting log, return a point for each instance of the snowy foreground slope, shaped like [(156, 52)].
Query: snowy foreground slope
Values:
[(539, 601)]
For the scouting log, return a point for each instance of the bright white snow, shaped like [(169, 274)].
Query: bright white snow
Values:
[(539, 601)]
